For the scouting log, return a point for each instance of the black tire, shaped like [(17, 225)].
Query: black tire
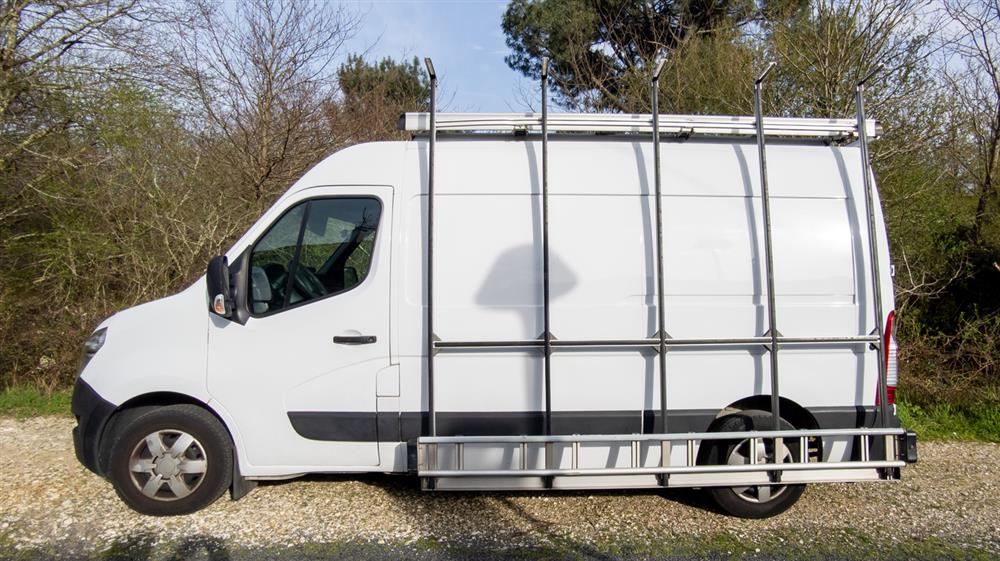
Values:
[(739, 501), (210, 452)]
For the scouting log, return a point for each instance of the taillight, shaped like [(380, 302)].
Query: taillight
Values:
[(891, 366)]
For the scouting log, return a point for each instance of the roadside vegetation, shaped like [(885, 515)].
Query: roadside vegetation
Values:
[(28, 401), (140, 137)]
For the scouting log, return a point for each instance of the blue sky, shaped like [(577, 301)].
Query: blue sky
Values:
[(464, 39)]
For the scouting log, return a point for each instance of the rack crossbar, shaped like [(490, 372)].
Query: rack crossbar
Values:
[(628, 343), (638, 123)]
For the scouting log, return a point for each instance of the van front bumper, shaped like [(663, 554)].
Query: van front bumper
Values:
[(92, 413)]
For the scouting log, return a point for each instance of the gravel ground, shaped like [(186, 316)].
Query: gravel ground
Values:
[(50, 506)]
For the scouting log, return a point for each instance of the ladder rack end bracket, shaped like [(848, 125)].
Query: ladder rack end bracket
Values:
[(874, 345), (870, 75), (764, 74), (660, 61)]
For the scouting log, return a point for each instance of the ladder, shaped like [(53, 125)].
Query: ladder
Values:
[(430, 452), (896, 446)]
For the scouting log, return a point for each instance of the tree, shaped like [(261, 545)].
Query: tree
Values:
[(38, 41), (822, 52), (973, 79), (597, 46), (372, 96), (261, 74)]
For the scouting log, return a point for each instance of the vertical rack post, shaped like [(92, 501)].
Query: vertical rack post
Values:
[(430, 249), (772, 320), (660, 306), (547, 335), (873, 246)]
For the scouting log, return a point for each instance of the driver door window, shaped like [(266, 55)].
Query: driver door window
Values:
[(319, 248)]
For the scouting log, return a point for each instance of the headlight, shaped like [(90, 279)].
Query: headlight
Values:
[(94, 344)]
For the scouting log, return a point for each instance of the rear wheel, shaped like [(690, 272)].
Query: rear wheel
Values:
[(171, 460), (752, 501)]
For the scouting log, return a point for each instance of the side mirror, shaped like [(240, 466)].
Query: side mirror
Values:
[(220, 301)]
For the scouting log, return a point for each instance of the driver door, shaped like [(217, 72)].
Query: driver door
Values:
[(299, 377)]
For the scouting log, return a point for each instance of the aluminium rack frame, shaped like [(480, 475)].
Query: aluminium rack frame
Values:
[(835, 130)]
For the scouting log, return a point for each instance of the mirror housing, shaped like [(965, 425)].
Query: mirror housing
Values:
[(220, 298)]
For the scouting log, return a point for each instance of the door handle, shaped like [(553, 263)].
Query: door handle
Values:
[(354, 339)]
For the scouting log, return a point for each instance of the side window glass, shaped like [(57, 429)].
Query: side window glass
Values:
[(271, 260), (331, 247), (337, 244)]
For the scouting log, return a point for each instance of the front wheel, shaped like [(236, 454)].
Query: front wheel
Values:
[(171, 460), (752, 501)]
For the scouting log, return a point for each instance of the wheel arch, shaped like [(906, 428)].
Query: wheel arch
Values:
[(139, 403), (796, 415)]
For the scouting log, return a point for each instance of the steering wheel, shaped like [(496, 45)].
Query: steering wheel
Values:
[(307, 284)]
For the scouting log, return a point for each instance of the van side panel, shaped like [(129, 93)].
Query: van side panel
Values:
[(602, 235)]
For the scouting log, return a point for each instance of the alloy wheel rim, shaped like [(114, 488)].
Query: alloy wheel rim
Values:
[(168, 465), (740, 455)]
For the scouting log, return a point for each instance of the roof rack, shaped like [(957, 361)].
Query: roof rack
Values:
[(719, 125), (772, 340)]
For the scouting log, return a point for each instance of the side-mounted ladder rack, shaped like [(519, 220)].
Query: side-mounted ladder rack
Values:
[(802, 461), (830, 130)]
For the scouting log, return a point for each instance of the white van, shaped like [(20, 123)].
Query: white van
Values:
[(312, 346)]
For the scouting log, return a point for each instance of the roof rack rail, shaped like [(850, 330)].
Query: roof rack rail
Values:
[(720, 125)]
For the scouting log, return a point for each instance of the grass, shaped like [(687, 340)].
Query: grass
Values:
[(21, 402), (951, 422)]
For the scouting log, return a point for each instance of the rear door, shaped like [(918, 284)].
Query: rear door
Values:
[(299, 377)]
